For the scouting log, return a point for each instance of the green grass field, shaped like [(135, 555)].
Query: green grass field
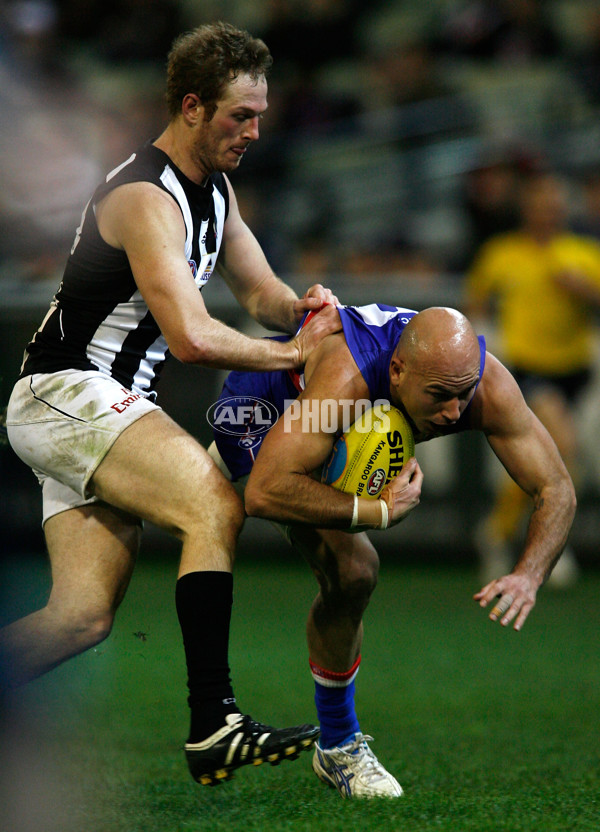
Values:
[(486, 729)]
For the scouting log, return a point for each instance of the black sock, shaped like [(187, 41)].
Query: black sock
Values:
[(204, 601)]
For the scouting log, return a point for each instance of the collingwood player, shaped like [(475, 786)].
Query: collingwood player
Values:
[(83, 413)]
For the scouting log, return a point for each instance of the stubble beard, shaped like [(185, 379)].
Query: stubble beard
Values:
[(209, 161)]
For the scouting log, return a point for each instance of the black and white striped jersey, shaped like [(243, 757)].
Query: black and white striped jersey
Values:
[(98, 319)]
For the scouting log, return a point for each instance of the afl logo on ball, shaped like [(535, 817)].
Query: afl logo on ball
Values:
[(376, 482)]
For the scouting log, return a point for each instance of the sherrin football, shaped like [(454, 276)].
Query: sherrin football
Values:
[(371, 453)]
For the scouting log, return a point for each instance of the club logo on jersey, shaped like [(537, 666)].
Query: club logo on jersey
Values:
[(244, 416), (248, 443)]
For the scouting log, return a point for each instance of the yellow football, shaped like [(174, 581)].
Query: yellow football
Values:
[(371, 453)]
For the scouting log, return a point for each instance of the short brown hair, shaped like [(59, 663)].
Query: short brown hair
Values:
[(208, 58)]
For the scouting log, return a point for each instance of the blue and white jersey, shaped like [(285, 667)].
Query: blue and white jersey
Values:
[(369, 330), (98, 320), (372, 333)]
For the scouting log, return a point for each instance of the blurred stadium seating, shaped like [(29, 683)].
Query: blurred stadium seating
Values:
[(379, 113)]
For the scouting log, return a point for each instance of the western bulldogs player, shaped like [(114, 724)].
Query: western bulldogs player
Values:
[(434, 368)]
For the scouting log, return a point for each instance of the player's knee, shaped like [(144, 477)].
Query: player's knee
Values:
[(99, 627), (218, 515), (357, 576), (231, 510), (225, 518), (359, 579), (88, 627)]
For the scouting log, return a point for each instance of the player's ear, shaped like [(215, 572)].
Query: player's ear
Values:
[(191, 108), (397, 367)]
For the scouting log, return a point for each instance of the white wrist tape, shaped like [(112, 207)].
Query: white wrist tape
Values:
[(385, 515), (354, 522)]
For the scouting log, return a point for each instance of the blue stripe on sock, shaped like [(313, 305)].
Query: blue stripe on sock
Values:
[(337, 717)]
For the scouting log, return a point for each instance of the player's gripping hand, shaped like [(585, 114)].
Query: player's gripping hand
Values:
[(403, 493), (322, 322), (314, 298), (513, 595)]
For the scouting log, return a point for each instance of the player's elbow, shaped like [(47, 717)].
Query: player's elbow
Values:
[(193, 351), (569, 495), (257, 500), (563, 496), (572, 498)]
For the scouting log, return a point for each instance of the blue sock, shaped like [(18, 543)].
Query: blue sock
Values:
[(337, 717)]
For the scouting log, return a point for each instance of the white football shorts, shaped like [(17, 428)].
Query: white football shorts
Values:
[(63, 424)]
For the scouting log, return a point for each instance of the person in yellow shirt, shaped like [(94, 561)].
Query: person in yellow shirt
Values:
[(540, 286)]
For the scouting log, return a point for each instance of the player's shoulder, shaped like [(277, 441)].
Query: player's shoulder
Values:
[(138, 197), (505, 244), (377, 314), (140, 174), (134, 209), (375, 326), (332, 365), (332, 350), (496, 395), (581, 243)]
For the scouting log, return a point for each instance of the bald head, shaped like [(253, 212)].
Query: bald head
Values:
[(435, 369), (438, 336)]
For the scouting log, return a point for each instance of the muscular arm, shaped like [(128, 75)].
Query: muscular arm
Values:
[(146, 223), (281, 486), (529, 454)]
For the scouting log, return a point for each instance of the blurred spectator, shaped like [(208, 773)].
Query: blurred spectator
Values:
[(315, 258), (306, 106), (545, 281), (403, 73), (588, 221), (405, 93), (489, 195), (124, 31), (490, 202), (44, 167), (506, 31), (585, 63), (56, 138), (305, 39), (30, 30), (309, 34), (390, 257)]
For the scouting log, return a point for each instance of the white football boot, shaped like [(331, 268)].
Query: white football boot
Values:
[(354, 770)]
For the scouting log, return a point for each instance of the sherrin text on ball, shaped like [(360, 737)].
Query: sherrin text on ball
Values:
[(371, 453)]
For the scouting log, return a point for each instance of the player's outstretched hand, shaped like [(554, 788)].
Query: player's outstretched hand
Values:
[(403, 493), (514, 597)]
